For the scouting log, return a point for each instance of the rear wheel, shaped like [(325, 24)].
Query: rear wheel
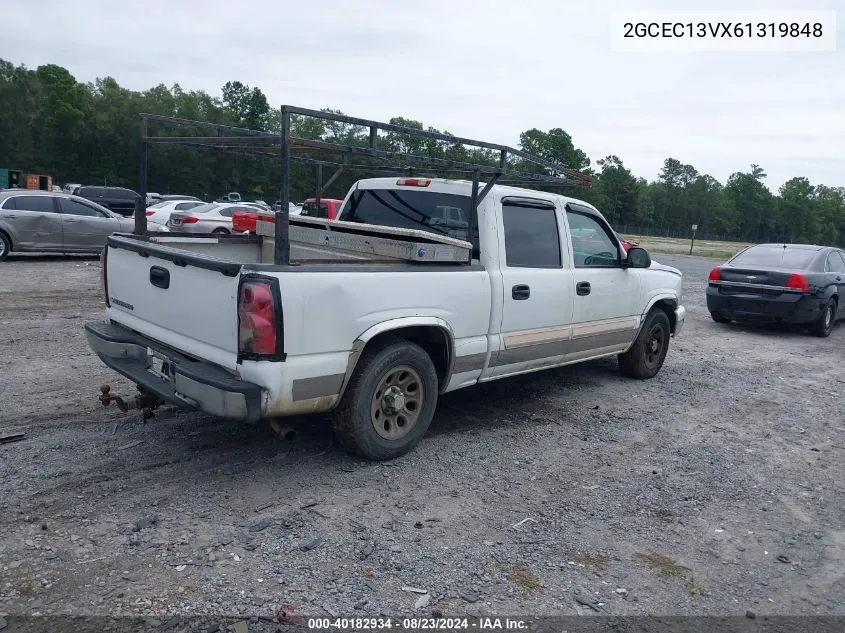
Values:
[(5, 246), (389, 403), (824, 324), (718, 317), (220, 231), (646, 356)]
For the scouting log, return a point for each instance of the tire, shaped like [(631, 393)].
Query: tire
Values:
[(375, 418), (823, 326), (5, 246), (719, 317), (645, 357), (220, 231)]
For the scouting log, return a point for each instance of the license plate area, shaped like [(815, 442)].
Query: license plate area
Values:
[(159, 365)]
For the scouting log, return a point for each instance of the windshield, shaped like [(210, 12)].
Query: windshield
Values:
[(776, 257), (441, 213)]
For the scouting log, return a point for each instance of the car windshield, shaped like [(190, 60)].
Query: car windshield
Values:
[(776, 257)]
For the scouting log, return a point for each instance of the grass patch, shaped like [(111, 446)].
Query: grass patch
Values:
[(523, 577), (693, 587), (593, 562), (667, 567)]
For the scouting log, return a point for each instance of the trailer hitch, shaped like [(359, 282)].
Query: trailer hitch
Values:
[(143, 400)]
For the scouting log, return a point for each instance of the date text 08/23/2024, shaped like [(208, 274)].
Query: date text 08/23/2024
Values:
[(416, 624)]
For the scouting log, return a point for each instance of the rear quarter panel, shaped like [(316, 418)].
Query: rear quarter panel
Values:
[(325, 312)]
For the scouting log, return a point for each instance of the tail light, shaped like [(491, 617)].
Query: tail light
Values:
[(414, 182), (150, 212), (188, 220), (798, 282), (714, 274), (258, 335)]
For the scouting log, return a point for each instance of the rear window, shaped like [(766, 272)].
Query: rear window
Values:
[(441, 213), (777, 257), (159, 205), (205, 208)]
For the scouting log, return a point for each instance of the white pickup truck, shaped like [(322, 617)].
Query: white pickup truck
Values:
[(204, 324)]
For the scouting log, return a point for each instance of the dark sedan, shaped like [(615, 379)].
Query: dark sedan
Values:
[(780, 283)]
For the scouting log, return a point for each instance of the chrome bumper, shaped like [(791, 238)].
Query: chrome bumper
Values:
[(680, 314)]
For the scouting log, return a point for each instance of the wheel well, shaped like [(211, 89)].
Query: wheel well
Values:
[(434, 340), (668, 306), (8, 237)]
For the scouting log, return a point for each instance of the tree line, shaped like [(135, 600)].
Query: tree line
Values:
[(89, 133)]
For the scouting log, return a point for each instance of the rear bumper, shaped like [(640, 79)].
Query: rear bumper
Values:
[(783, 308), (188, 384)]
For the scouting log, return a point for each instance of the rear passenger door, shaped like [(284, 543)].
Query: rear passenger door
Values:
[(36, 222), (606, 307), (537, 286)]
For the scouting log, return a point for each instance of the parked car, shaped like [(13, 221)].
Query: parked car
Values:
[(227, 332), (626, 244), (152, 198), (160, 211), (173, 196), (780, 283), (118, 199), (41, 221), (244, 221), (329, 208), (212, 217), (232, 196)]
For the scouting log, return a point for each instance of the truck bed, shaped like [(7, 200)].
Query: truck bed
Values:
[(316, 240)]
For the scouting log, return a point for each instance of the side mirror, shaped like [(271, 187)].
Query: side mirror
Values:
[(637, 258)]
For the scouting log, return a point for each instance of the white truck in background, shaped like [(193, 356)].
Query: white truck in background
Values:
[(211, 324)]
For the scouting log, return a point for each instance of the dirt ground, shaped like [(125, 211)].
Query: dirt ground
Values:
[(715, 488)]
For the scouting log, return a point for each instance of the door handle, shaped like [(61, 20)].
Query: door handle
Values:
[(582, 288), (160, 277), (520, 292), (10, 215), (70, 221)]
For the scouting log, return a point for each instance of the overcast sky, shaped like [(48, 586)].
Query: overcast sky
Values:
[(485, 70)]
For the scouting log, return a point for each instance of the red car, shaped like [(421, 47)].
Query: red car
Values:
[(625, 243), (329, 208)]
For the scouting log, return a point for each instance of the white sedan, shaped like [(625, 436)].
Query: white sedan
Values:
[(160, 211)]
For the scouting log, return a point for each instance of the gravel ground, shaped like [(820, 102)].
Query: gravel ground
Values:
[(715, 488)]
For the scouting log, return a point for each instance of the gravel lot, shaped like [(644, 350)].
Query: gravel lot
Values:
[(715, 488)]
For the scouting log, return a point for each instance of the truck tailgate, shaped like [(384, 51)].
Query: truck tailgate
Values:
[(184, 300)]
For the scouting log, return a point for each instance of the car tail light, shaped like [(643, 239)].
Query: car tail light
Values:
[(798, 282), (258, 337), (150, 212), (414, 182), (714, 274), (189, 220)]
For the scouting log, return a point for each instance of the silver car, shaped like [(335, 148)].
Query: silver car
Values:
[(214, 217), (42, 221)]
